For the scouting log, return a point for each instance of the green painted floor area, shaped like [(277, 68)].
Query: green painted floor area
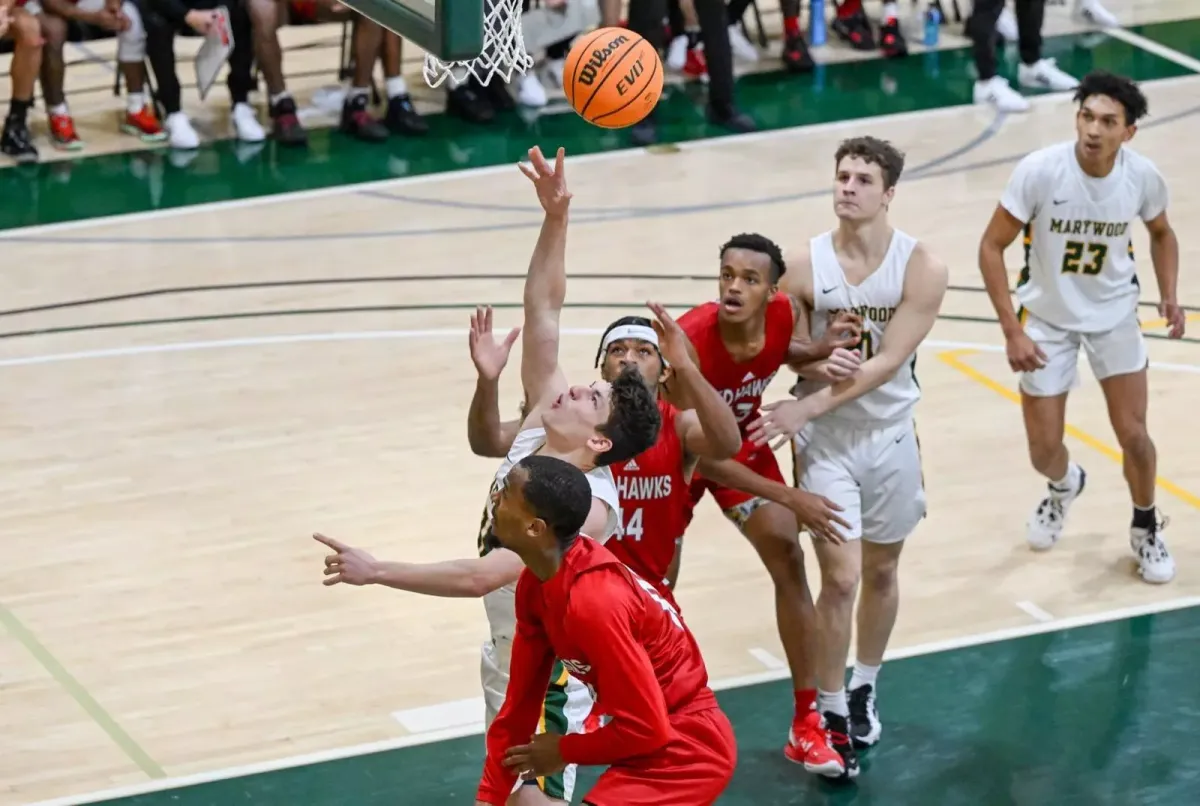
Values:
[(1103, 715), (92, 187), (1183, 35)]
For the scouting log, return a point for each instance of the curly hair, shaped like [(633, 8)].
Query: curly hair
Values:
[(873, 151), (754, 242), (1122, 90), (634, 422)]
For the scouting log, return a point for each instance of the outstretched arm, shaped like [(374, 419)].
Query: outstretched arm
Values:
[(707, 427), (467, 578), (815, 512), (546, 282), (924, 287)]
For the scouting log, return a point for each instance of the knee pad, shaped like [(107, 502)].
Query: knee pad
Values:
[(131, 43)]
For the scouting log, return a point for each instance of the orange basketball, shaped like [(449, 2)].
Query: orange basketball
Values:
[(613, 77)]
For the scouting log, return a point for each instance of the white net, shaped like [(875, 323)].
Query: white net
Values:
[(503, 49)]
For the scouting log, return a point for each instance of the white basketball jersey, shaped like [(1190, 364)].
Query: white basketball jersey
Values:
[(875, 300), (501, 604), (1079, 274)]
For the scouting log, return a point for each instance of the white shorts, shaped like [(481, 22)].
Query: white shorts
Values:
[(1119, 351), (873, 474)]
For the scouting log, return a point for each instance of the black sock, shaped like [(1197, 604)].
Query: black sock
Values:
[(18, 109), (693, 39), (1143, 518)]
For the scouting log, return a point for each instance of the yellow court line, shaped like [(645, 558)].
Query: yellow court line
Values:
[(953, 359), (1155, 324)]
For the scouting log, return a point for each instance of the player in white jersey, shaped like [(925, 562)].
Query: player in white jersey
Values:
[(1077, 201), (854, 440), (590, 427)]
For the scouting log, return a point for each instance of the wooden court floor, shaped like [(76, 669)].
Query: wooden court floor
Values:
[(161, 595)]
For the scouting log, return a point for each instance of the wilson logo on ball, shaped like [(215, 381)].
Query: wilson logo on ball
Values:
[(591, 69)]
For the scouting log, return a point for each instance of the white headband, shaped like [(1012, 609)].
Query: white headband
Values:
[(640, 332)]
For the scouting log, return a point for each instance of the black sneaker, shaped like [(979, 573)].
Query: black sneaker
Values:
[(855, 31), (16, 141), (357, 121), (469, 104), (729, 117), (891, 39), (839, 738), (796, 58), (286, 129), (403, 118), (865, 727)]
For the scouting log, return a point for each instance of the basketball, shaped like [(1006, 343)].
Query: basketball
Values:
[(613, 77)]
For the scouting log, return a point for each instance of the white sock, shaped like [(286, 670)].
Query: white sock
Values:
[(834, 702), (59, 109), (396, 85), (274, 99), (863, 675), (355, 92), (1068, 483), (135, 102), (891, 11)]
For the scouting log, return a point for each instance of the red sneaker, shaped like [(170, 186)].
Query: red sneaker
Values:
[(809, 744)]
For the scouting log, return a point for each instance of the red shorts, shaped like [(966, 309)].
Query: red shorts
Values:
[(692, 770), (759, 459)]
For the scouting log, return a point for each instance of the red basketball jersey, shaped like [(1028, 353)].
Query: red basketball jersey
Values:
[(654, 503), (742, 385)]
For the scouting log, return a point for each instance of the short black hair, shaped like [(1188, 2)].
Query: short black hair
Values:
[(758, 243), (558, 493), (639, 321), (634, 422), (1122, 90), (874, 151)]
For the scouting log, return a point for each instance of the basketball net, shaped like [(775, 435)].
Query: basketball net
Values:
[(503, 49)]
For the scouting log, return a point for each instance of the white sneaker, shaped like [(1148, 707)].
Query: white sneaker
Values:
[(1046, 523), (1006, 26), (180, 133), (997, 92), (742, 48), (1044, 74), (530, 91), (246, 125), (1155, 563), (1092, 12), (677, 53)]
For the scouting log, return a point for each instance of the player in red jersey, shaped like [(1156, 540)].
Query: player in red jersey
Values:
[(653, 486), (741, 341), (668, 742)]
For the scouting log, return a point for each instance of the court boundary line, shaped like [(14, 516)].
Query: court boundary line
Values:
[(384, 335), (486, 170), (1157, 48), (743, 681)]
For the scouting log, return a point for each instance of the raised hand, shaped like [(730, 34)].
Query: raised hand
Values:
[(549, 181), (673, 343), (488, 356), (349, 565)]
